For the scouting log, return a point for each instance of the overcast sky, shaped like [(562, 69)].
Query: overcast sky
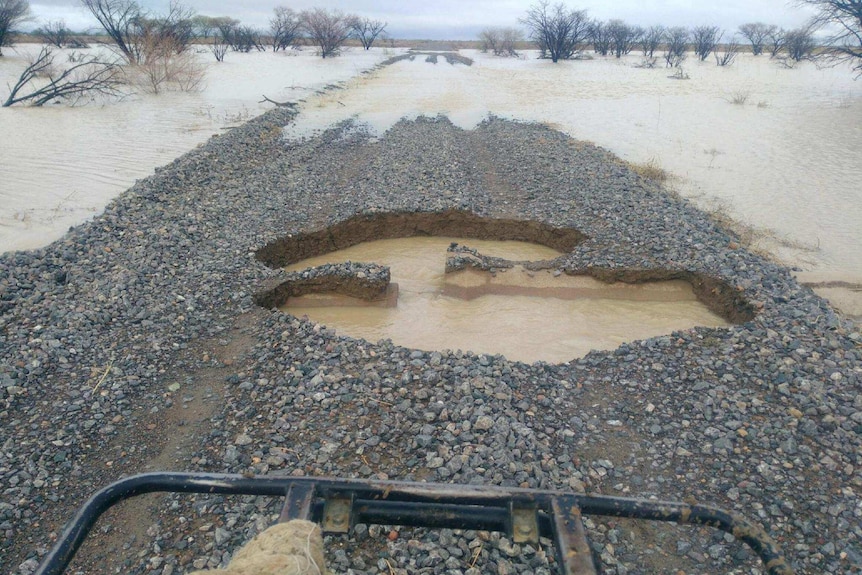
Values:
[(462, 19)]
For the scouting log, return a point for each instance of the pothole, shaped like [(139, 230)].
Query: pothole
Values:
[(453, 280)]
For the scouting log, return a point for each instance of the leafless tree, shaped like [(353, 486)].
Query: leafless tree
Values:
[(122, 21), (139, 36), (776, 38), (85, 78), (203, 26), (12, 13), (510, 37), (500, 41), (223, 31), (489, 39), (367, 30), (757, 34), (800, 43), (705, 39), (54, 33), (843, 18), (558, 31), (600, 37), (284, 28), (328, 29), (245, 39), (729, 54), (676, 43), (175, 28), (651, 39), (623, 37)]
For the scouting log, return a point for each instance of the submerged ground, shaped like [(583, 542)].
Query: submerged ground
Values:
[(135, 344)]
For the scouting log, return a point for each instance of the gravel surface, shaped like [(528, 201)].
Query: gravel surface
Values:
[(134, 344)]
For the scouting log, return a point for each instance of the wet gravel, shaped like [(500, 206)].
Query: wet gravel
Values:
[(110, 339)]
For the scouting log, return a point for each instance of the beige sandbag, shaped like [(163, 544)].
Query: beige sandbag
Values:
[(292, 548)]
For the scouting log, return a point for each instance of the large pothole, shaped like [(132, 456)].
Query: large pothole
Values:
[(511, 291)]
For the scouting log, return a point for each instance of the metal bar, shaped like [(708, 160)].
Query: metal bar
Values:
[(683, 514), (377, 494), (297, 502), (432, 515), (573, 550)]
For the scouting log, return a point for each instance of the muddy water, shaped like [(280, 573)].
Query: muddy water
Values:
[(526, 316), (64, 164)]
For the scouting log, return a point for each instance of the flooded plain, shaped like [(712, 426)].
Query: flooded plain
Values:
[(525, 315), (61, 165)]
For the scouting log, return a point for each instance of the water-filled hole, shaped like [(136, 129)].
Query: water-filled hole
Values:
[(524, 314), (523, 309)]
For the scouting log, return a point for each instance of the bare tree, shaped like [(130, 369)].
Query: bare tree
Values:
[(510, 37), (12, 13), (284, 28), (367, 30), (223, 31), (729, 54), (489, 39), (800, 43), (776, 38), (174, 29), (122, 21), (756, 33), (600, 38), (203, 26), (245, 39), (843, 18), (328, 29), (54, 33), (676, 43), (87, 77), (500, 41), (705, 39), (137, 35), (623, 37), (651, 39), (558, 31)]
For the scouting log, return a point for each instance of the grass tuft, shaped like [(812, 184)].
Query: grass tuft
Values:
[(650, 170)]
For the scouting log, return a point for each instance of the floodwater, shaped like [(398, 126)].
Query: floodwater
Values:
[(785, 161), (60, 166), (526, 316)]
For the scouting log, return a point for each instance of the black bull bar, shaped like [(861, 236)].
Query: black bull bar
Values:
[(337, 505)]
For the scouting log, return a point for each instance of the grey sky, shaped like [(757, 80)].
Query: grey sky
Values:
[(462, 19)]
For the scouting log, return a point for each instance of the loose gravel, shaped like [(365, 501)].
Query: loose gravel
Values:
[(134, 343)]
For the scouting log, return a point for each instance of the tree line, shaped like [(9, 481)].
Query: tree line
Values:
[(137, 33), (561, 32), (152, 49)]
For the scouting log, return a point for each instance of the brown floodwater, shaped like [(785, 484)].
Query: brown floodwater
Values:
[(526, 316)]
